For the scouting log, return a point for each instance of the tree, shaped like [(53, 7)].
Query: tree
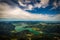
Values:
[(6, 27)]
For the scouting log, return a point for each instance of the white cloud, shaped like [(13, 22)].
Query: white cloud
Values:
[(22, 3), (7, 11), (39, 5), (29, 7), (43, 4), (55, 4)]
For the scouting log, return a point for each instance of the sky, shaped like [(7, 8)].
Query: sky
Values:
[(29, 10)]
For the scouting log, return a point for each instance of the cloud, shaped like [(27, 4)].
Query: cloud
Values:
[(29, 7), (26, 6), (42, 3), (22, 3), (59, 3), (17, 13), (55, 4)]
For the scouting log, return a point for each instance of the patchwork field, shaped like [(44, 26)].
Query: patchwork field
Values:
[(29, 30)]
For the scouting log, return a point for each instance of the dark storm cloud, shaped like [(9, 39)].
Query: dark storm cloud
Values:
[(10, 2)]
